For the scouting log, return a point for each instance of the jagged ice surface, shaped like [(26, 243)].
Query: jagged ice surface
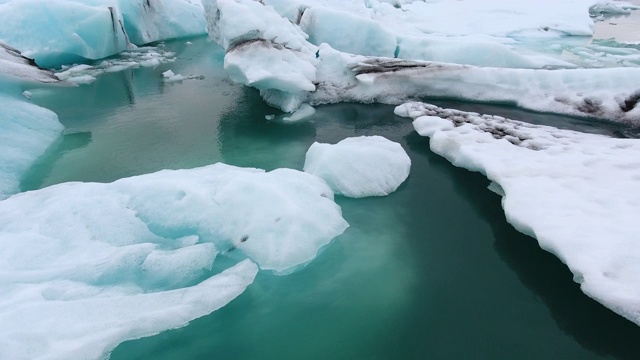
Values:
[(361, 166), (575, 193)]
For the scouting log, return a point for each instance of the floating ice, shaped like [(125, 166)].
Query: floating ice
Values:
[(360, 166), (612, 8), (270, 53), (603, 93), (26, 131), (264, 50), (133, 58), (576, 193), (68, 31), (86, 266)]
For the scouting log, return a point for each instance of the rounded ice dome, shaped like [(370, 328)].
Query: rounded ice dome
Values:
[(359, 166)]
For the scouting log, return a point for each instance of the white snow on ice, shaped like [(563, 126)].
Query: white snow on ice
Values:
[(359, 166), (576, 193)]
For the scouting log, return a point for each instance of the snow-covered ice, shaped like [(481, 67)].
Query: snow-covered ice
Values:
[(360, 166), (86, 266), (576, 193)]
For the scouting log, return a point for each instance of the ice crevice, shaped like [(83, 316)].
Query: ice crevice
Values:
[(575, 193)]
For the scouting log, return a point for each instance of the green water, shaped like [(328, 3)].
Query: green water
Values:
[(432, 271)]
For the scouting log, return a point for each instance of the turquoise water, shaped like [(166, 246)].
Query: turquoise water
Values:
[(432, 271)]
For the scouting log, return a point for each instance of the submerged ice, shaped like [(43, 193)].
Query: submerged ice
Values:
[(86, 266), (576, 193)]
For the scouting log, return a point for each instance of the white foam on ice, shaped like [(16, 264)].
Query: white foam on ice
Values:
[(86, 266), (576, 193), (26, 131), (359, 166)]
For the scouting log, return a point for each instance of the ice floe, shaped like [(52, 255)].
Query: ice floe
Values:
[(360, 166), (86, 266), (576, 193)]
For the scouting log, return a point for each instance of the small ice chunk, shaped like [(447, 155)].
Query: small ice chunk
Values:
[(27, 94), (83, 79), (303, 112), (360, 166), (168, 74)]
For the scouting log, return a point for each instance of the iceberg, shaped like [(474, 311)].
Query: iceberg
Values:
[(86, 266), (361, 166), (576, 193), (58, 32), (271, 52)]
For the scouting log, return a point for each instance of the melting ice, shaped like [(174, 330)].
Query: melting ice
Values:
[(87, 266)]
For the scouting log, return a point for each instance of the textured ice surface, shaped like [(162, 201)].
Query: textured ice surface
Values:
[(85, 266), (417, 29), (576, 193), (360, 166), (269, 52), (14, 67), (56, 32), (26, 131)]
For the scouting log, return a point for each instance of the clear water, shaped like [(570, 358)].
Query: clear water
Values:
[(432, 271)]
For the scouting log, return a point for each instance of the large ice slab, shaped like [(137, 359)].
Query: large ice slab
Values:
[(85, 266), (361, 166), (26, 131), (56, 32), (576, 193)]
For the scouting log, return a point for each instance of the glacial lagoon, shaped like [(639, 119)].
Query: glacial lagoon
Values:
[(431, 271)]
